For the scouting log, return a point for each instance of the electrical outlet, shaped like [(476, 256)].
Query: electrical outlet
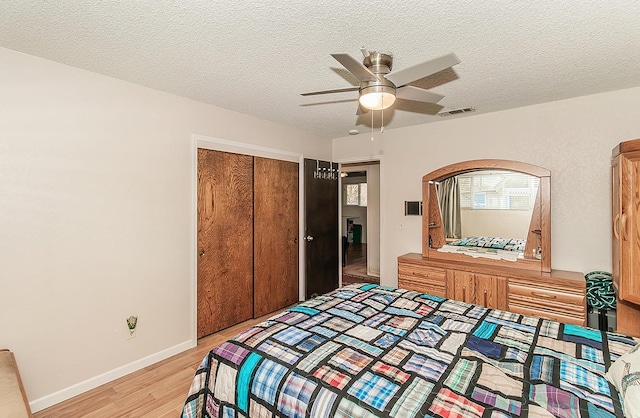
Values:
[(132, 322)]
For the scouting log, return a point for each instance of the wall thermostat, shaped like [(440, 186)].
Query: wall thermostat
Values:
[(413, 208)]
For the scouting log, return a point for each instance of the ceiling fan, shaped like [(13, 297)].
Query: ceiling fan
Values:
[(379, 87)]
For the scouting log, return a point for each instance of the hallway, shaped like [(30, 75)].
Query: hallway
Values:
[(356, 269)]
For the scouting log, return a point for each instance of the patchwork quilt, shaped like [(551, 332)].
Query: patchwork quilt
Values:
[(373, 351), (505, 244)]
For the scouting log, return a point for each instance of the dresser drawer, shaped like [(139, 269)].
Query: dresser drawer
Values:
[(556, 303), (547, 296), (432, 287), (423, 279), (421, 272), (544, 305)]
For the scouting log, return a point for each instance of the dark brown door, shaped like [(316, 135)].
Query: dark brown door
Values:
[(321, 226), (275, 235), (225, 240)]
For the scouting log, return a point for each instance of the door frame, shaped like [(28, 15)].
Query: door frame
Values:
[(218, 144), (363, 160)]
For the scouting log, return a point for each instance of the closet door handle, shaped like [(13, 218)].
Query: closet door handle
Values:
[(485, 299), (615, 226), (464, 293)]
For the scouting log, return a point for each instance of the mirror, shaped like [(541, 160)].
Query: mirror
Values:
[(508, 201), (490, 203)]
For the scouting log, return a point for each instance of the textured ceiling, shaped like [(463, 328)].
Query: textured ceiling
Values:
[(256, 57)]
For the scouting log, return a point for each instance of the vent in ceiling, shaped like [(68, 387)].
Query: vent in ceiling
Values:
[(457, 111)]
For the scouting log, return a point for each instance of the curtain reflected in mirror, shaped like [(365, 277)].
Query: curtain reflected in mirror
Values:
[(449, 199)]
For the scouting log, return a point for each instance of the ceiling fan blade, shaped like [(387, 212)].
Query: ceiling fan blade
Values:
[(424, 69), (313, 93), (355, 67), (418, 95)]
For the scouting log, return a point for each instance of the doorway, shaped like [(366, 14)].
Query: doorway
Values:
[(360, 222)]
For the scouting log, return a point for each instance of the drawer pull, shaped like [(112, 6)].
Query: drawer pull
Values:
[(485, 299), (464, 293), (543, 295)]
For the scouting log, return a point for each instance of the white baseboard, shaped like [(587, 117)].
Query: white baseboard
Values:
[(94, 382)]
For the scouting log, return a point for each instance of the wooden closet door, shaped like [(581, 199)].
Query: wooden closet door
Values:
[(225, 240), (275, 235)]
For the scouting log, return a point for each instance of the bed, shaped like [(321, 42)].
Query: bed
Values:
[(374, 351), (487, 247)]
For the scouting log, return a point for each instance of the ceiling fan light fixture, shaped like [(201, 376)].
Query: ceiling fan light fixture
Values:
[(377, 97)]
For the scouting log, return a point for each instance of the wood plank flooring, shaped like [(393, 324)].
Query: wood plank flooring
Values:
[(157, 391)]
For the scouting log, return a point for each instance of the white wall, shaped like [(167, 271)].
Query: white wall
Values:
[(502, 223), (96, 210), (373, 220), (573, 138)]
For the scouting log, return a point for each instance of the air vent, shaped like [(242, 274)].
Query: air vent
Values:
[(457, 111)]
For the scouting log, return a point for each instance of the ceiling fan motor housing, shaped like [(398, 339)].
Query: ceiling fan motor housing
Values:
[(379, 63)]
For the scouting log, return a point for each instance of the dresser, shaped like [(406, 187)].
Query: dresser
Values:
[(558, 295)]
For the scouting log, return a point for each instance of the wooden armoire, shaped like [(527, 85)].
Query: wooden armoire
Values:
[(625, 163), (247, 238)]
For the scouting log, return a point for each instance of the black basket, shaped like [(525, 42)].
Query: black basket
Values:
[(600, 292)]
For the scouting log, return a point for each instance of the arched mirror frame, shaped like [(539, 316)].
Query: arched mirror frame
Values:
[(539, 233)]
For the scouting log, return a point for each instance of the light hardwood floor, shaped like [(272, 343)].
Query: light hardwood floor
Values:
[(157, 391)]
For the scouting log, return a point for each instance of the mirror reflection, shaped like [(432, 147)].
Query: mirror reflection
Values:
[(487, 203)]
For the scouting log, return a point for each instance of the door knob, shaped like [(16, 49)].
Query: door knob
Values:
[(201, 253), (309, 238)]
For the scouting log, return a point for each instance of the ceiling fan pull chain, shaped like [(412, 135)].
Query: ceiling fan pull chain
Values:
[(382, 115), (371, 126)]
